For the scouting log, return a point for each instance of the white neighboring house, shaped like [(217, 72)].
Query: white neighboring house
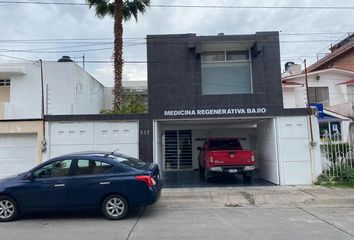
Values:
[(68, 89), (332, 87)]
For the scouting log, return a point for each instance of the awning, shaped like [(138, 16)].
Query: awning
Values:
[(350, 82), (292, 84)]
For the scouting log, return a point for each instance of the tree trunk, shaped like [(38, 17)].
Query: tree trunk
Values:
[(118, 54)]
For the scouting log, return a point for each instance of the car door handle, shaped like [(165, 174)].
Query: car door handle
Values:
[(105, 183), (59, 185)]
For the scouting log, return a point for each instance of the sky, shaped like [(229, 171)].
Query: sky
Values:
[(43, 31)]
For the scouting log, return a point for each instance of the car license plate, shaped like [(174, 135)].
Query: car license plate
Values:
[(233, 170)]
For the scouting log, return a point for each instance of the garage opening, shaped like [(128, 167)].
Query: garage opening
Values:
[(176, 150)]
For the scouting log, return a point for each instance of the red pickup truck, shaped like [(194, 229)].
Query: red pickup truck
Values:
[(225, 156)]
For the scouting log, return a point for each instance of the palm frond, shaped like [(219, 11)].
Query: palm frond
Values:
[(132, 8), (102, 7)]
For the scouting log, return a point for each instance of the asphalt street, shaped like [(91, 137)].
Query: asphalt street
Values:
[(261, 213)]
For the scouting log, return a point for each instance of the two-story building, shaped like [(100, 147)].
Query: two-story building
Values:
[(30, 90), (330, 83), (203, 87)]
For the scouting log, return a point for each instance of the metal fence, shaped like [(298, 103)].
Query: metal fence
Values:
[(337, 155)]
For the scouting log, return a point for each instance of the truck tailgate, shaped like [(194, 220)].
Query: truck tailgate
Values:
[(232, 157)]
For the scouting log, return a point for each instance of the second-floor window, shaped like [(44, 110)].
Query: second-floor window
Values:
[(226, 72), (318, 95), (5, 82)]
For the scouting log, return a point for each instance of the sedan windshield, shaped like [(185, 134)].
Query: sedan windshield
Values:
[(129, 161)]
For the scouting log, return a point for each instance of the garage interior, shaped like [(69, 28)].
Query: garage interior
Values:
[(176, 142)]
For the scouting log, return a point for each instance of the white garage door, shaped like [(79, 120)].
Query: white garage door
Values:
[(69, 137), (17, 153)]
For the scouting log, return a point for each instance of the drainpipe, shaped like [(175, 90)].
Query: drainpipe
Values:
[(44, 142)]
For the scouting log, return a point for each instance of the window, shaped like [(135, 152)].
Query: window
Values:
[(232, 144), (56, 169), (91, 167), (318, 95), (4, 82), (330, 130), (129, 161), (226, 72)]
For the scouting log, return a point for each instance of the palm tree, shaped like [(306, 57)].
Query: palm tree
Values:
[(120, 10)]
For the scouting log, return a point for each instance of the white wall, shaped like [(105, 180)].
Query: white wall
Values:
[(18, 153), (158, 153), (267, 151), (315, 150), (338, 93), (68, 137), (71, 90), (298, 159), (289, 97), (25, 93), (108, 98)]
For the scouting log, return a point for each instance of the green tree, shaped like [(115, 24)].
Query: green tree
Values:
[(120, 10), (132, 103)]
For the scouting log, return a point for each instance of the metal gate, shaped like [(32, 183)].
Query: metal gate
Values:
[(337, 155), (178, 150)]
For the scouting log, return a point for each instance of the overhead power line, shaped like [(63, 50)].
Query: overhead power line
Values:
[(195, 6), (253, 7), (141, 38), (17, 58)]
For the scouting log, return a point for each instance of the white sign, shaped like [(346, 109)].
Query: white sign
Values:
[(219, 111)]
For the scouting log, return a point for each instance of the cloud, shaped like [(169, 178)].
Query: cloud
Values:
[(26, 21)]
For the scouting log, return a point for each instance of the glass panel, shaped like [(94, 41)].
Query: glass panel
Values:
[(228, 144), (226, 78), (237, 55), (130, 161), (318, 94), (56, 169), (4, 82), (213, 56), (91, 167)]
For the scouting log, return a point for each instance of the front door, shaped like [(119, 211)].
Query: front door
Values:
[(178, 150), (48, 188)]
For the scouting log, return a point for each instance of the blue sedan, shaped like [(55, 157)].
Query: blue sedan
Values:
[(111, 182)]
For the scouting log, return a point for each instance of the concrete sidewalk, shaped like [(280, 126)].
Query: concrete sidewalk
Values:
[(272, 196)]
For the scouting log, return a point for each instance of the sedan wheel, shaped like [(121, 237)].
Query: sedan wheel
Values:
[(115, 207), (8, 209)]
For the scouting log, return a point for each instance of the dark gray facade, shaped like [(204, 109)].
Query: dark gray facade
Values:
[(174, 74), (175, 84)]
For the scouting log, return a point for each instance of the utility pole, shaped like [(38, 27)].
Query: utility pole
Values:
[(308, 102)]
